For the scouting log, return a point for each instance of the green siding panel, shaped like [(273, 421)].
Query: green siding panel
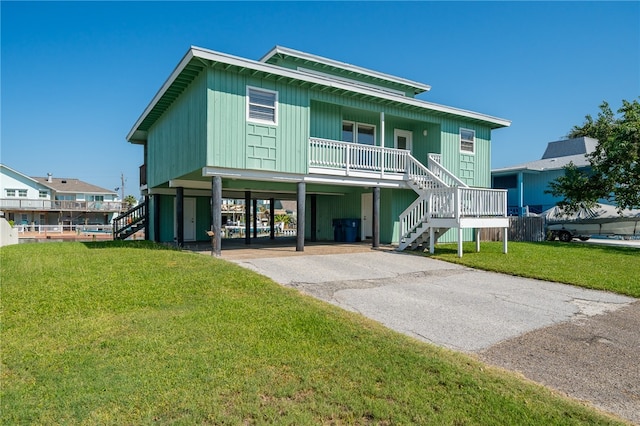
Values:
[(235, 142), (175, 145)]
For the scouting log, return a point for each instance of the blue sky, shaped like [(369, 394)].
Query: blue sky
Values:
[(77, 75)]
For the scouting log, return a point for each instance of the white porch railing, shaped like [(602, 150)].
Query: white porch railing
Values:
[(453, 203), (441, 194), (61, 229), (66, 205), (434, 164), (352, 157)]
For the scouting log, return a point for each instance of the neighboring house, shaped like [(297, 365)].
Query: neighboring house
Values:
[(341, 140), (527, 182), (47, 200)]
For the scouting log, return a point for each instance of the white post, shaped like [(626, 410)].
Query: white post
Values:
[(382, 144), (504, 241), (477, 230), (432, 238), (459, 241)]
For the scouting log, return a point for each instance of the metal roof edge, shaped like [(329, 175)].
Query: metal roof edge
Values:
[(176, 72), (344, 65), (198, 52)]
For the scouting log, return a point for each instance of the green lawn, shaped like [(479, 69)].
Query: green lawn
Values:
[(611, 268), (129, 333)]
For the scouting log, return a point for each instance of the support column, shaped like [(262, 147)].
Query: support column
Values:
[(376, 218), (272, 218), (504, 240), (255, 218), (432, 240), (216, 215), (302, 189), (180, 216), (147, 216), (314, 218), (156, 218), (247, 217), (477, 232), (459, 242)]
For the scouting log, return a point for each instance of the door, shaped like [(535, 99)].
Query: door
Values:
[(189, 223), (403, 139), (366, 218)]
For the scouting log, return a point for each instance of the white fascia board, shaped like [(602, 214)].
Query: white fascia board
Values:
[(272, 69), (344, 66), (275, 70), (176, 72)]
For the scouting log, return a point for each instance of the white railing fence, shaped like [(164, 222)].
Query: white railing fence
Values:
[(61, 229), (30, 204), (348, 157), (435, 165)]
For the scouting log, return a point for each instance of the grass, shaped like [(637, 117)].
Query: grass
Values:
[(615, 269), (129, 333)]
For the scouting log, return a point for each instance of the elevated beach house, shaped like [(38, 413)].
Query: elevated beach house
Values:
[(345, 142), (41, 203)]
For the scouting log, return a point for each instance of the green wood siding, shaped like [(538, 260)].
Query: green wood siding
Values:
[(325, 120), (392, 204), (175, 144), (167, 218), (203, 218), (235, 142), (332, 207)]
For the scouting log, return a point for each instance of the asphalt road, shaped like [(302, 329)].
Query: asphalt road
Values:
[(582, 342)]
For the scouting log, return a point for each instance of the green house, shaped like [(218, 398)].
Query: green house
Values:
[(344, 141)]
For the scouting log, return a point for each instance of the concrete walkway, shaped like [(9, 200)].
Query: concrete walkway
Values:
[(442, 303)]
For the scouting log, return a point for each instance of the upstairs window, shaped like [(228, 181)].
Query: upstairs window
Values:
[(467, 141), (22, 193), (10, 192), (262, 105), (43, 194), (358, 133)]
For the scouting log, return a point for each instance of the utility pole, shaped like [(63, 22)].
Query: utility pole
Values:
[(122, 186)]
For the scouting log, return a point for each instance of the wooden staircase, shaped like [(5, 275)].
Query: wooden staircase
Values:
[(445, 202), (130, 222)]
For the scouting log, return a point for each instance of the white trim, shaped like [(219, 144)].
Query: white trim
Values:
[(197, 52), (406, 133), (463, 151), (343, 65), (275, 106), (356, 125), (351, 81)]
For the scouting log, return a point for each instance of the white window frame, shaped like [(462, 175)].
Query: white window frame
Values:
[(355, 130), (275, 106), (10, 192), (473, 141), (23, 193), (43, 194)]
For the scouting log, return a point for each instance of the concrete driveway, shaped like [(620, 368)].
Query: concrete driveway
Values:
[(584, 343), (442, 303)]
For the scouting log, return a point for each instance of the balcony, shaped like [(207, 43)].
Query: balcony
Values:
[(59, 205)]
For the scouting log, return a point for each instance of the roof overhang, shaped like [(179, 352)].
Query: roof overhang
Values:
[(196, 59), (284, 51)]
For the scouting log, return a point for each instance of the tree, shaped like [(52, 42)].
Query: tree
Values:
[(129, 201), (614, 174)]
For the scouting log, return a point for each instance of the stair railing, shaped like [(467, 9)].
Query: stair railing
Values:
[(129, 220)]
